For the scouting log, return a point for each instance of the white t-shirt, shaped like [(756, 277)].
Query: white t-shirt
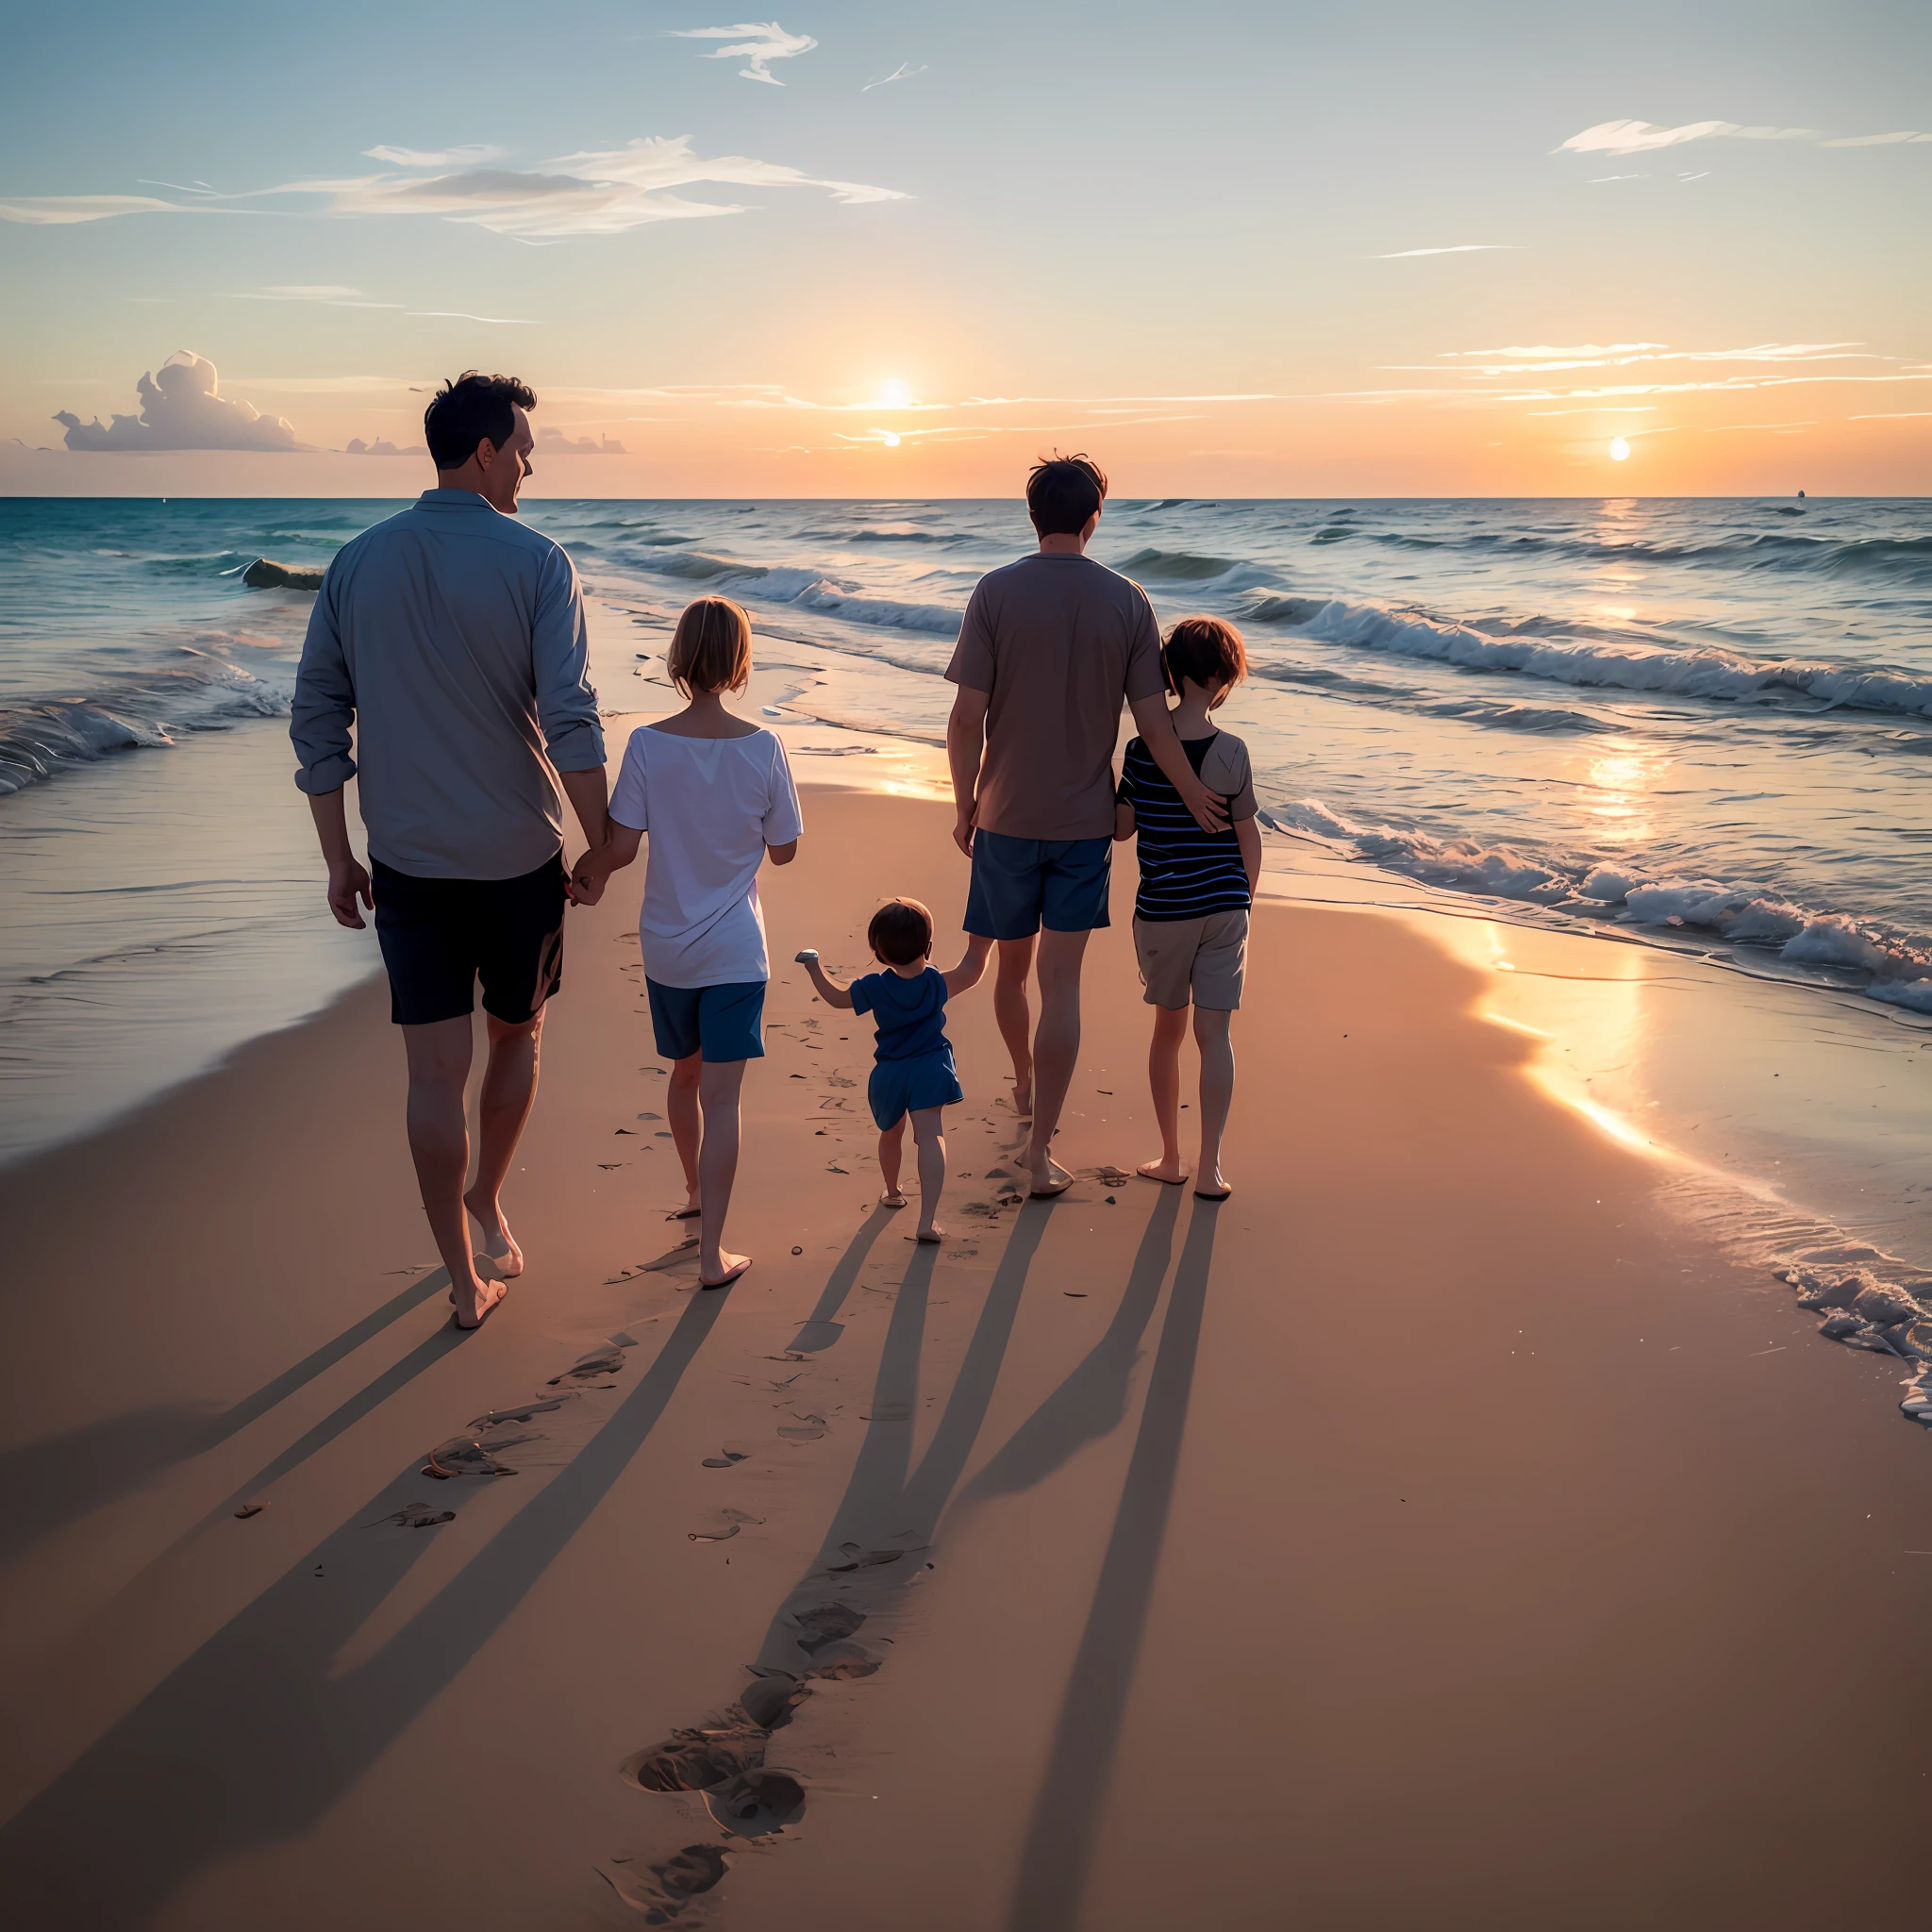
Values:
[(710, 806)]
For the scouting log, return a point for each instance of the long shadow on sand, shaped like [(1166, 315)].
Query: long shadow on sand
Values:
[(874, 1549), (53, 1483), (1092, 1401), (889, 1503), (255, 1736), (1058, 1848)]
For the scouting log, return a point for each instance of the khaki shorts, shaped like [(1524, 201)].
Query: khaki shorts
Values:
[(1198, 960)]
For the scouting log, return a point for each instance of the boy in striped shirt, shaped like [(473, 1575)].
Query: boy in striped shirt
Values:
[(1190, 918)]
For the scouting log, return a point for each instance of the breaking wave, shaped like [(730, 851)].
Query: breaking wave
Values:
[(42, 737)]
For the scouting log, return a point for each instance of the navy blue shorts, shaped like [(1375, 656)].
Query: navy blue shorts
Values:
[(898, 1088), (1020, 885), (723, 1023), (440, 937)]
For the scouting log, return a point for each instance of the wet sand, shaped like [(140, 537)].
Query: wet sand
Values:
[(1438, 1531)]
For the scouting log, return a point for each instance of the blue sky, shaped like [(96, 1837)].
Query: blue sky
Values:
[(1184, 236)]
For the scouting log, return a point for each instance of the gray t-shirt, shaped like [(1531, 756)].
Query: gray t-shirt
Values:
[(1056, 643), (452, 637)]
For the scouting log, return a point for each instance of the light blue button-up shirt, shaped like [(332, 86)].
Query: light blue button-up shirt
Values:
[(452, 637)]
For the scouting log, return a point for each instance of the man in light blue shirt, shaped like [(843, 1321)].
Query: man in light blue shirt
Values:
[(452, 637)]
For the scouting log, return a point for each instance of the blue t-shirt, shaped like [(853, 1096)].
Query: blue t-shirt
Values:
[(911, 1014)]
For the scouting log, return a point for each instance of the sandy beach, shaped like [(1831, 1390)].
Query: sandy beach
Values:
[(1440, 1531)]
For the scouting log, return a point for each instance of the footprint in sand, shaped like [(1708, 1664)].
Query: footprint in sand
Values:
[(599, 1361), (661, 1891), (758, 1804)]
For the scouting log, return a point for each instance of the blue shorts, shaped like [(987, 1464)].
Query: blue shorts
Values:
[(1022, 884), (721, 1021), (898, 1088)]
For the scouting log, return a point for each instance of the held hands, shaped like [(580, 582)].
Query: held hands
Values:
[(587, 882), (347, 884)]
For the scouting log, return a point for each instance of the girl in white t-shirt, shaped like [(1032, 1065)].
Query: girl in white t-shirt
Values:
[(716, 796)]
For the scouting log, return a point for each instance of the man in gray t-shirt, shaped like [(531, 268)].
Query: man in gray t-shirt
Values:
[(1049, 648), (452, 639)]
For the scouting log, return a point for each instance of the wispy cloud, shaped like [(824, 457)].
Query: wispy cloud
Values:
[(607, 193), (1645, 137), (1892, 416), (1543, 360), (52, 210), (468, 156), (182, 408), (902, 72), (1876, 139), (757, 46), (1458, 248), (465, 315)]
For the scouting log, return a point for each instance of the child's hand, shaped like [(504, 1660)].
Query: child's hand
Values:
[(809, 956)]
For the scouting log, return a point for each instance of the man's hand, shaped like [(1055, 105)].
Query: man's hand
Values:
[(587, 882), (962, 830), (347, 885), (1208, 808)]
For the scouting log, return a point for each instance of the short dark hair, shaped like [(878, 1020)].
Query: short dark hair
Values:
[(464, 411), (900, 932), (1207, 649), (1062, 492)]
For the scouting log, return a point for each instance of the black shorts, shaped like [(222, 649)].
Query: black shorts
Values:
[(438, 937)]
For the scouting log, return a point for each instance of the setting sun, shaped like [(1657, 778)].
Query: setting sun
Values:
[(893, 394), (1620, 450)]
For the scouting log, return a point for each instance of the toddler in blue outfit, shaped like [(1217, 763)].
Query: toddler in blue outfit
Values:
[(913, 1076)]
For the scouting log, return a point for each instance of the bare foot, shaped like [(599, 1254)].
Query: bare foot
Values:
[(931, 1236), (1023, 1098), (1162, 1169), (1213, 1184), (1049, 1180), (895, 1199), (498, 1246), (729, 1268), (475, 1304)]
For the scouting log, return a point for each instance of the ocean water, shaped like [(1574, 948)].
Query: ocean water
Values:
[(1706, 725)]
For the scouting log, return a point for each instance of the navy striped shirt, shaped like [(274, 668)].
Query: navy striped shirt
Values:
[(1187, 872)]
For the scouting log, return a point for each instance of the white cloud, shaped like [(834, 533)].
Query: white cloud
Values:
[(467, 155), (1642, 137), (902, 72), (1459, 248), (1892, 416), (182, 408), (766, 43), (604, 192)]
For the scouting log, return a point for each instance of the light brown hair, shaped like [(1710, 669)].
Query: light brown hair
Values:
[(1205, 649), (900, 932), (711, 649)]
